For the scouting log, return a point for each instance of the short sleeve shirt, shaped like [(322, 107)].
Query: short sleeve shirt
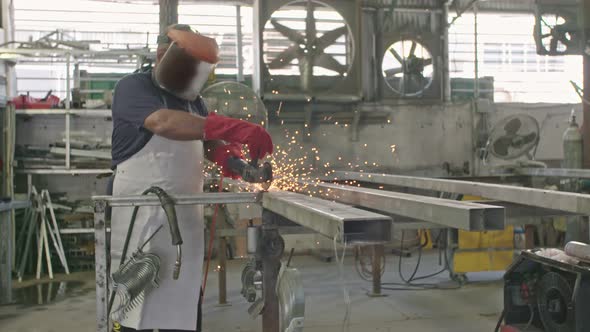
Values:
[(135, 98)]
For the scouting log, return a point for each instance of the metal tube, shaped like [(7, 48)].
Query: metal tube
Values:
[(270, 273), (555, 172), (79, 112), (476, 57), (30, 172), (549, 199), (197, 199), (586, 105), (252, 238), (239, 44), (258, 20), (446, 76), (5, 258), (101, 267), (376, 268), (462, 215), (68, 99), (58, 52), (168, 14), (330, 219)]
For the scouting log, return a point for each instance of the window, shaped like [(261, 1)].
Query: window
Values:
[(507, 52), (117, 26)]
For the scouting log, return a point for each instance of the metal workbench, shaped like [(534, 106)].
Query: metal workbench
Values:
[(334, 220)]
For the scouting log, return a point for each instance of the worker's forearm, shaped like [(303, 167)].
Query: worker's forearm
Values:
[(176, 125)]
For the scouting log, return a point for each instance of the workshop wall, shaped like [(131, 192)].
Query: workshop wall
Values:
[(425, 137)]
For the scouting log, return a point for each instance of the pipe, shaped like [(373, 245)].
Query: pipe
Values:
[(446, 76), (239, 54), (476, 49)]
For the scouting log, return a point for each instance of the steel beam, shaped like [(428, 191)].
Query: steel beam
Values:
[(456, 214), (330, 219), (550, 199)]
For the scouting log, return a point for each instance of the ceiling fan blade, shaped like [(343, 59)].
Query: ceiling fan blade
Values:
[(413, 48), (427, 62), (310, 28), (513, 126), (328, 62), (396, 55), (546, 35), (293, 35), (393, 71), (330, 37), (285, 57)]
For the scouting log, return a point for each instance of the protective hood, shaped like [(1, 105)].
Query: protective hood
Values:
[(187, 64)]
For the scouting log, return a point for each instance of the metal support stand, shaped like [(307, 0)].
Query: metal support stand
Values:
[(5, 258), (102, 273), (271, 250), (378, 252)]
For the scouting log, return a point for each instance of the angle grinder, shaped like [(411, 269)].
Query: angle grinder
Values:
[(251, 172)]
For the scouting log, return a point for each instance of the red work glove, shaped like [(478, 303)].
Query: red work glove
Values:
[(222, 154), (219, 127)]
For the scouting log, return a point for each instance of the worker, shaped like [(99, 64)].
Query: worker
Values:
[(160, 139)]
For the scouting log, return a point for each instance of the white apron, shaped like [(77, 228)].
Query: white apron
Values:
[(176, 167)]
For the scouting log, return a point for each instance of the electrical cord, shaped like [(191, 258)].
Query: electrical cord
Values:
[(340, 264), (499, 324), (409, 283)]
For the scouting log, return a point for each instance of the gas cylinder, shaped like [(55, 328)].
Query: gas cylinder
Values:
[(576, 229), (572, 145)]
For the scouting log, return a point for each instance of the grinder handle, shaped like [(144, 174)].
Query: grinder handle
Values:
[(168, 205)]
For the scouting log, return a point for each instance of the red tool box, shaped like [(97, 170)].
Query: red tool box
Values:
[(28, 102)]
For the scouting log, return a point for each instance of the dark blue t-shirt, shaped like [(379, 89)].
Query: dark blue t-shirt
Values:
[(135, 98)]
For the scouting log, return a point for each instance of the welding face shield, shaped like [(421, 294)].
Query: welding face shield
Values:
[(187, 64)]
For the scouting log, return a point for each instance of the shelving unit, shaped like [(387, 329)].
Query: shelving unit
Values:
[(72, 56)]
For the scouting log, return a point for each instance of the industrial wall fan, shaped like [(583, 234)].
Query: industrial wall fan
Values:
[(557, 27), (408, 68), (308, 46), (513, 137)]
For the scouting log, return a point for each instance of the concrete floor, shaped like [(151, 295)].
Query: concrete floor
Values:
[(475, 307)]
